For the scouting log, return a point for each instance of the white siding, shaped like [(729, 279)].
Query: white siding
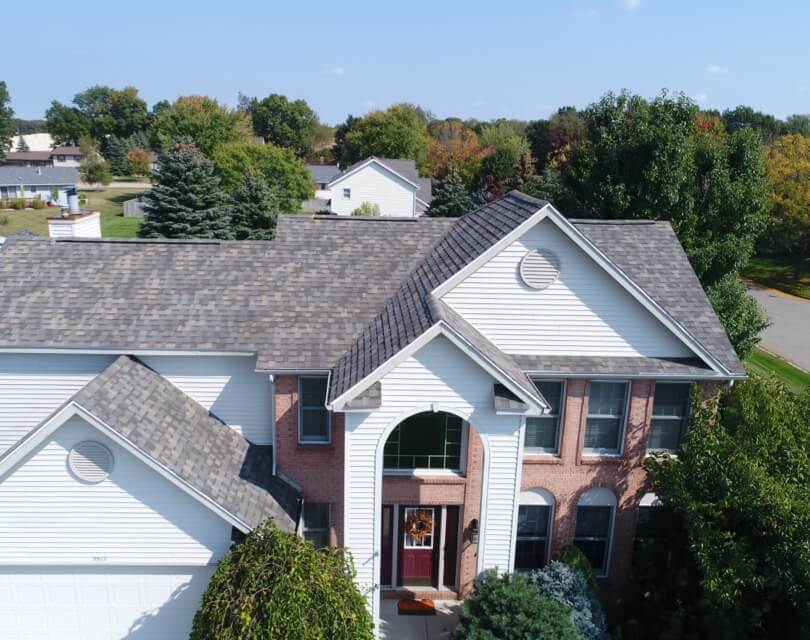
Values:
[(376, 185), (586, 312), (441, 374), (229, 387), (34, 386), (133, 517)]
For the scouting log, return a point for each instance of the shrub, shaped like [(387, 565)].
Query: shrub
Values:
[(573, 557), (569, 586), (277, 585), (18, 204), (367, 209), (4, 220), (509, 607), (137, 162), (37, 203)]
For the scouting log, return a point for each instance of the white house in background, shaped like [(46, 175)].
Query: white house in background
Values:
[(41, 183), (66, 157), (58, 157), (34, 141), (394, 185)]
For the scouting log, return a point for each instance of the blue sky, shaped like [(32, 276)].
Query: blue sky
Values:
[(471, 59)]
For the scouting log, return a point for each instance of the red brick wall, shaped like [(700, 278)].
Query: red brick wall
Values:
[(316, 468)]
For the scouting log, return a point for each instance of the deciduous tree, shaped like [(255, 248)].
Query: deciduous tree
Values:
[(137, 162), (454, 148), (285, 123), (509, 164), (67, 125), (202, 120)]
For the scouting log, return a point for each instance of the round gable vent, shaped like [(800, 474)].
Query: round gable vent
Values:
[(540, 268), (91, 461)]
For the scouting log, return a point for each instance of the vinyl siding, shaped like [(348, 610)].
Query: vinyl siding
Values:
[(585, 312), (133, 517), (374, 184), (439, 374)]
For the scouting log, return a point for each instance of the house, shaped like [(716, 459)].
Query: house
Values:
[(58, 157), (486, 393), (50, 184), (394, 185)]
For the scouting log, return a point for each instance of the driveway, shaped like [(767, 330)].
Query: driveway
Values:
[(396, 627), (789, 333)]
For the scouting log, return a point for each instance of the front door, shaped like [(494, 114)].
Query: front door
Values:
[(420, 541)]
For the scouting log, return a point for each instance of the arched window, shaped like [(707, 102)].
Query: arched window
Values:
[(596, 511), (429, 440), (652, 545), (535, 517)]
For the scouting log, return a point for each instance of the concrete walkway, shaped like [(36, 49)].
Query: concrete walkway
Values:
[(396, 627), (789, 333)]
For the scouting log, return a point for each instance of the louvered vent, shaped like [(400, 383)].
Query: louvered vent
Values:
[(539, 269), (90, 461)]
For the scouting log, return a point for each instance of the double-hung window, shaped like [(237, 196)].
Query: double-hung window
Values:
[(670, 416), (532, 536), (604, 426), (347, 194), (543, 433), (313, 417), (316, 523)]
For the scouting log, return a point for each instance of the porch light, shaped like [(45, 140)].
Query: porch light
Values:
[(474, 532)]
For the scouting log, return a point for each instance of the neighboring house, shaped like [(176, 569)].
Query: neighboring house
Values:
[(34, 141), (394, 185), (499, 378), (58, 157), (50, 184), (66, 157)]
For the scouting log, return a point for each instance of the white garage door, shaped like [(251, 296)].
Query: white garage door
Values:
[(94, 603)]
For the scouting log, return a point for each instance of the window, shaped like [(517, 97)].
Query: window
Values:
[(313, 419), (533, 529), (316, 524), (652, 546), (543, 433), (347, 194), (592, 536), (61, 158), (323, 186), (670, 415), (607, 403), (430, 440), (426, 541)]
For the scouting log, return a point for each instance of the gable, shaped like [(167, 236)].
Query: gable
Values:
[(134, 516), (585, 311)]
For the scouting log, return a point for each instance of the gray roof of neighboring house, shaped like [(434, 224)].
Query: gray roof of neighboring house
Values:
[(38, 175), (323, 173), (66, 151), (22, 156), (192, 443)]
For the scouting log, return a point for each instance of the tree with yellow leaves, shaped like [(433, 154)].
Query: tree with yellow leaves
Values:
[(788, 172)]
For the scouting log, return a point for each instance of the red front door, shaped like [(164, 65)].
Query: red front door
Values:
[(419, 540)]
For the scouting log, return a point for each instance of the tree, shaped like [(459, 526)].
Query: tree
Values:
[(798, 123), (66, 124), (764, 124), (454, 148), (254, 209), (788, 170), (277, 585), (283, 171), (741, 316), (186, 200), (22, 145), (509, 607), (509, 165), (24, 127), (6, 120), (137, 162), (115, 152), (285, 123), (202, 120), (552, 141), (740, 486), (112, 112), (368, 210), (398, 132), (452, 198), (95, 170), (660, 160)]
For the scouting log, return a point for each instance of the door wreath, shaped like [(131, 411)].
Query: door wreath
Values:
[(419, 524)]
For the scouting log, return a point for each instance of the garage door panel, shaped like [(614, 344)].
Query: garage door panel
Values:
[(95, 603)]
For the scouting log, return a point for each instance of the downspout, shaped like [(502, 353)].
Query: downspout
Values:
[(271, 377)]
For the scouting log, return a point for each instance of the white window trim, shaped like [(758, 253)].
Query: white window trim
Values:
[(600, 503), (684, 418), (301, 416), (327, 530), (539, 499), (534, 451), (347, 193), (405, 544), (421, 472), (609, 453)]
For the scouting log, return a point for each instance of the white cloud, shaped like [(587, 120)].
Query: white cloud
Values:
[(631, 5), (700, 97), (802, 88), (336, 71), (716, 69), (584, 14)]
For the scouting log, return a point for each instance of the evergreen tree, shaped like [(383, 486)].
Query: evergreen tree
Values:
[(22, 145), (115, 153), (451, 198), (6, 120), (254, 209), (186, 200)]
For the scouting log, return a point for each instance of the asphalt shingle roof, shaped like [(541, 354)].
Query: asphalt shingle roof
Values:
[(183, 436), (323, 173), (10, 175), (628, 366)]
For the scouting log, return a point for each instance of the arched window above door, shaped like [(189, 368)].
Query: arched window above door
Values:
[(432, 440)]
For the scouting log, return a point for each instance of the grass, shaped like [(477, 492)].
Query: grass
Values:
[(777, 273), (109, 202), (766, 364)]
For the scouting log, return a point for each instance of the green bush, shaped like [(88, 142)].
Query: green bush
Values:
[(368, 209), (18, 204), (573, 557), (277, 585), (4, 220), (36, 203), (509, 607)]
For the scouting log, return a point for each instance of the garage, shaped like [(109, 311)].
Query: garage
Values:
[(92, 603)]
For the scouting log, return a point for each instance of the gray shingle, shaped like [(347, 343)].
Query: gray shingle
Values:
[(183, 436), (38, 175), (595, 366)]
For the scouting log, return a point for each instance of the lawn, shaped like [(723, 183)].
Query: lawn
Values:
[(777, 274), (765, 364), (109, 202)]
